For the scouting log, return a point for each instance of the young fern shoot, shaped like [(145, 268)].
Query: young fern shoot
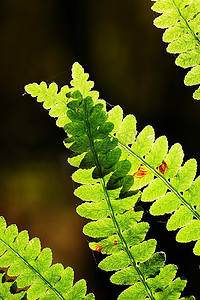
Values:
[(113, 165), (181, 18)]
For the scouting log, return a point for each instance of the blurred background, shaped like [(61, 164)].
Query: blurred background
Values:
[(124, 54)]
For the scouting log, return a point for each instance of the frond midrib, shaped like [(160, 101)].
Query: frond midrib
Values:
[(33, 269), (164, 180), (112, 214)]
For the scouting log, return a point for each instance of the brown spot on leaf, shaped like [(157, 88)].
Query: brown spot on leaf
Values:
[(98, 248), (142, 171), (163, 168)]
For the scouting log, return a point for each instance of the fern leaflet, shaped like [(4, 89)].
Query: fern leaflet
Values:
[(109, 188), (52, 100), (33, 269), (181, 18)]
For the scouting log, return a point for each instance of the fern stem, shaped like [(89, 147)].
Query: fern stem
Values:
[(33, 269), (112, 214), (132, 260), (186, 23), (166, 182)]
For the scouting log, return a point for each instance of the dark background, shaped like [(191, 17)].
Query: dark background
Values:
[(122, 51)]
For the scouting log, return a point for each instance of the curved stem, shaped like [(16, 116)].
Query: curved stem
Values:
[(112, 214), (166, 182)]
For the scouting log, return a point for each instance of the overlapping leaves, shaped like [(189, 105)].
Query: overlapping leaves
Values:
[(33, 269), (181, 18), (56, 102), (109, 202), (113, 165)]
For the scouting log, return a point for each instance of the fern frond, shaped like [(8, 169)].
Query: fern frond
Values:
[(107, 171), (109, 203), (33, 269), (181, 18), (170, 185)]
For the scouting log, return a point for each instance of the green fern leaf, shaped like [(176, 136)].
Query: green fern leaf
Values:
[(104, 145), (127, 130), (33, 269), (52, 100), (180, 218), (115, 116), (80, 82), (181, 19), (115, 226), (191, 232)]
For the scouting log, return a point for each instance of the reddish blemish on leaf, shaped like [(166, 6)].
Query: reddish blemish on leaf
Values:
[(115, 243), (142, 171), (163, 168), (98, 248)]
